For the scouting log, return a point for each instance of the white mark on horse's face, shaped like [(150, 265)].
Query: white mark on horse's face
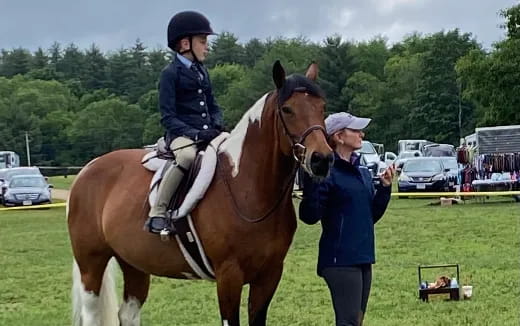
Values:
[(233, 145), (225, 323)]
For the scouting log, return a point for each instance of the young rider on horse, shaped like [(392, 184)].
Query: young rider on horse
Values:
[(189, 111)]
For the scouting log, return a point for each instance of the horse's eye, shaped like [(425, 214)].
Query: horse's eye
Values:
[(286, 109)]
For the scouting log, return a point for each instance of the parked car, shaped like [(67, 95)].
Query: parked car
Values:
[(27, 190), (389, 158), (380, 148), (423, 174), (439, 150), (410, 145), (7, 174), (403, 157), (3, 174), (371, 160), (450, 163)]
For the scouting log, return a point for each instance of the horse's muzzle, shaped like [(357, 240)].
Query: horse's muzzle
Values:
[(320, 164)]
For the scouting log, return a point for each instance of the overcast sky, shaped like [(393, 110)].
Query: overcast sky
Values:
[(113, 24)]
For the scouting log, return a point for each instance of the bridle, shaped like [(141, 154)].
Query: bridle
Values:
[(298, 149)]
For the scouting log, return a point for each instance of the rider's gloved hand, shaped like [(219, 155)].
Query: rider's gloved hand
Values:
[(207, 135)]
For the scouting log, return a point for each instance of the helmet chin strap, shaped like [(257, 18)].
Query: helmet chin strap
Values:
[(195, 59)]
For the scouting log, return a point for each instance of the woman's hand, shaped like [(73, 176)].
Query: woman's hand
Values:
[(387, 176)]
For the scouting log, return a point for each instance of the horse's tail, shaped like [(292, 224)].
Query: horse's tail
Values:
[(107, 297)]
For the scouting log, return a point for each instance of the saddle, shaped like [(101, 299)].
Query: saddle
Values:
[(159, 159), (189, 193), (185, 185)]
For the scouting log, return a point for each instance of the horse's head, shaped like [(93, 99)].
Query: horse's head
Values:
[(300, 106)]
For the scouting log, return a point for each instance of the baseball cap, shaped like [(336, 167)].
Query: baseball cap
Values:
[(337, 121)]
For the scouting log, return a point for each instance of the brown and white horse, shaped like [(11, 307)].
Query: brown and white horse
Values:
[(246, 221)]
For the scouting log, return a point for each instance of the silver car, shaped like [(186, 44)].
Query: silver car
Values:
[(371, 160), (7, 173), (27, 190)]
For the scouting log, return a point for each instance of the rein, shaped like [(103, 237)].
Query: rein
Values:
[(299, 151), (264, 216)]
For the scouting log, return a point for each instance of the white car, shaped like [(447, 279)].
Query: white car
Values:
[(404, 156), (371, 159)]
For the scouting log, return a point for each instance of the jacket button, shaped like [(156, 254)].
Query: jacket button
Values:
[(205, 127), (203, 114), (201, 103), (199, 91)]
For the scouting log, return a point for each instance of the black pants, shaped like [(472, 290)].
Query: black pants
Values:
[(349, 288)]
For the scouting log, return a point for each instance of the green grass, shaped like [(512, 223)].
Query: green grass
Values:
[(61, 182), (35, 269)]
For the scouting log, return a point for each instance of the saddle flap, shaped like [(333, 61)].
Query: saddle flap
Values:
[(186, 183), (200, 176)]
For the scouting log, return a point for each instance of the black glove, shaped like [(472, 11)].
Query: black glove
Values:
[(221, 128), (207, 135)]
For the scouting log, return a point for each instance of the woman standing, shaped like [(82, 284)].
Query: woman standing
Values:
[(348, 206)]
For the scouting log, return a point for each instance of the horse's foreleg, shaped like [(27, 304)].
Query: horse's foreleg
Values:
[(229, 289), (261, 292), (136, 286)]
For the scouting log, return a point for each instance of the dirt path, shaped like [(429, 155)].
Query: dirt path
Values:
[(60, 194)]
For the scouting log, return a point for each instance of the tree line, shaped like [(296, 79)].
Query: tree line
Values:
[(77, 104)]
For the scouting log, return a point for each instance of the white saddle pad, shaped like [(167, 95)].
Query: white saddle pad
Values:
[(201, 183)]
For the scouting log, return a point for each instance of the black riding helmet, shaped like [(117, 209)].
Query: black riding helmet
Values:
[(187, 23)]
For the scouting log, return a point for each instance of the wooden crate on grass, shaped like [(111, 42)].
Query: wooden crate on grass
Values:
[(452, 292)]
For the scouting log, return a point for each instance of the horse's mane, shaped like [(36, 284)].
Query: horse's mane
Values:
[(298, 83)]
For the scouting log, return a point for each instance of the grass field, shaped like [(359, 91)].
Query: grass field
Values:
[(35, 269), (61, 182)]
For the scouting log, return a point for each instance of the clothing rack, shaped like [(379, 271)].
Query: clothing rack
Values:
[(488, 171)]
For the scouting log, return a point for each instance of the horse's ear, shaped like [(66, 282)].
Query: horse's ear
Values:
[(278, 74), (312, 71)]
